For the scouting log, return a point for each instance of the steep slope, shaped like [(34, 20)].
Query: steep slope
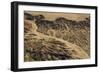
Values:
[(41, 47)]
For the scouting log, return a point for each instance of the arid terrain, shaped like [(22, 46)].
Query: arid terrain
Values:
[(56, 36)]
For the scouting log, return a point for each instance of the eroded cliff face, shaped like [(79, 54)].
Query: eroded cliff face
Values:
[(58, 39)]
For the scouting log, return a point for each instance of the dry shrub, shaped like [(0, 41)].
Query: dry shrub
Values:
[(50, 49)]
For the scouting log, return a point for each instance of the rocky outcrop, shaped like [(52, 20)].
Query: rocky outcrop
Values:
[(59, 39)]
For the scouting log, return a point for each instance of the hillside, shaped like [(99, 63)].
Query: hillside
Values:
[(58, 39)]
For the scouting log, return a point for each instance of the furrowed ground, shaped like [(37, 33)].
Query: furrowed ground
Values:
[(59, 39)]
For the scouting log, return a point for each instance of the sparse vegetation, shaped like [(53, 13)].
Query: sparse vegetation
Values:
[(52, 40)]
